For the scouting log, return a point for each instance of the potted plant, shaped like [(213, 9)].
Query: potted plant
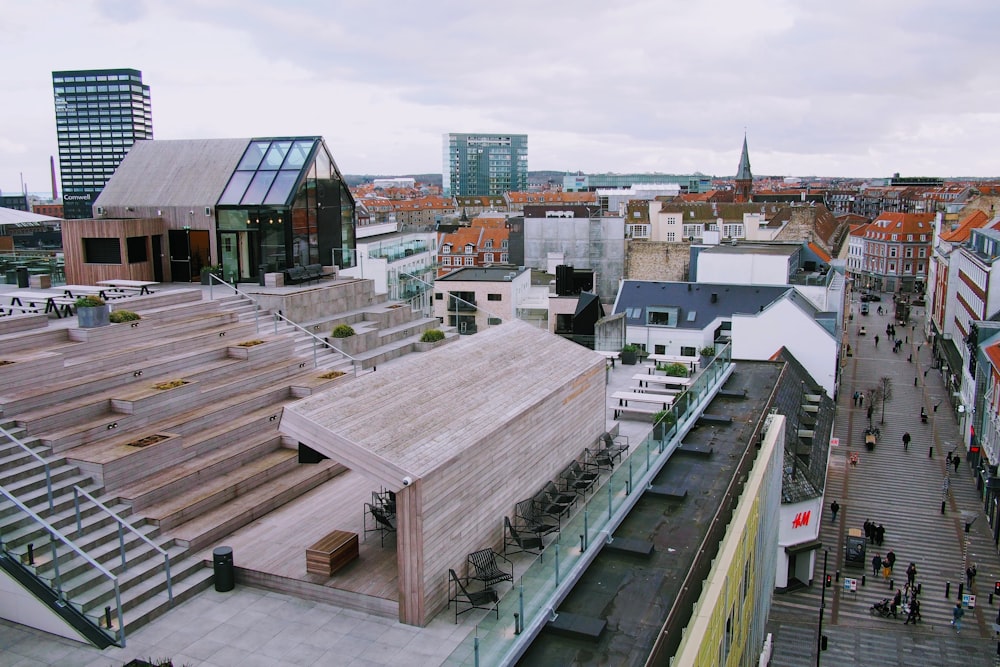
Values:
[(212, 269), (706, 353), (91, 311), (629, 354), (342, 331), (662, 422), (429, 340), (673, 369)]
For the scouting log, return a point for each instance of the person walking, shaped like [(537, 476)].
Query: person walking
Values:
[(861, 399), (890, 559), (868, 530), (834, 508), (911, 574), (970, 576), (906, 441), (879, 534), (955, 460), (956, 617), (871, 411), (914, 612), (896, 601), (876, 340), (876, 564)]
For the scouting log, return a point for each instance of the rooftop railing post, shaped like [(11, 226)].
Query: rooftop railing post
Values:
[(520, 598), (76, 504), (121, 619), (315, 357), (256, 317), (557, 564), (55, 565), (586, 527), (609, 499), (170, 585), (475, 650), (121, 546), (276, 316)]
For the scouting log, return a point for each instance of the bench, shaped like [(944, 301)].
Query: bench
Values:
[(636, 410), (303, 274), (332, 552), (22, 309)]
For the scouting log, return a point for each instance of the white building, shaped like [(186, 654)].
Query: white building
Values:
[(474, 298)]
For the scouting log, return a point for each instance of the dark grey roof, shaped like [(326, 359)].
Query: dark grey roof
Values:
[(173, 173), (636, 295), (805, 458), (492, 274)]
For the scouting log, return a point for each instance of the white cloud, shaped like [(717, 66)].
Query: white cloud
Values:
[(849, 88)]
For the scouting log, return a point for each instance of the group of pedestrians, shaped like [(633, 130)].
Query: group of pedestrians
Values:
[(859, 399), (874, 532), (883, 565)]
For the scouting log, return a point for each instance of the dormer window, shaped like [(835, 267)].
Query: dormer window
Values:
[(469, 248), (446, 249), (489, 243)]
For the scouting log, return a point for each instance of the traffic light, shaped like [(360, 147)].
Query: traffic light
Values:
[(996, 588), (829, 581)]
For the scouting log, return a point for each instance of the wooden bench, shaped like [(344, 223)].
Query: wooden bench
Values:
[(332, 553), (23, 309)]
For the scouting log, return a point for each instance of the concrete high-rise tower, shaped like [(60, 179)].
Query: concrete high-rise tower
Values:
[(99, 115), (484, 164)]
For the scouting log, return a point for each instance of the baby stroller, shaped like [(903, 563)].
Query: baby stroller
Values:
[(882, 608)]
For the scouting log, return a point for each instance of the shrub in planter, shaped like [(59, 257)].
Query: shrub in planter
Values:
[(432, 336), (91, 311), (342, 331), (629, 354), (673, 370), (119, 316), (707, 351), (662, 422)]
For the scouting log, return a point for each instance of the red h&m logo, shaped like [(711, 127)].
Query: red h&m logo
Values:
[(801, 519)]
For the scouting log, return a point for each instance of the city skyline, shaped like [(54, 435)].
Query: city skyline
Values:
[(849, 89)]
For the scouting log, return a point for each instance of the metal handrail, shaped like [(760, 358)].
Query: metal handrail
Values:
[(122, 525), (48, 472), (212, 278), (322, 341), (55, 560)]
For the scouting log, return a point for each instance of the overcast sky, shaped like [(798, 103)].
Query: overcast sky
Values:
[(845, 88)]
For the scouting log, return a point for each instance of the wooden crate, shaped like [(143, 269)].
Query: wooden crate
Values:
[(331, 553)]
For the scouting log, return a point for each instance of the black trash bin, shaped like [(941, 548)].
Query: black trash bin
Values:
[(22, 276), (222, 563), (261, 270)]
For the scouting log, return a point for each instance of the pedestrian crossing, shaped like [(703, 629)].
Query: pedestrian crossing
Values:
[(902, 489)]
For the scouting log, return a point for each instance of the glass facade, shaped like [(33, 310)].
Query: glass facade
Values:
[(485, 164), (285, 205), (99, 115)]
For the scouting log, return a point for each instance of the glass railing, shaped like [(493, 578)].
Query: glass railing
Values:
[(397, 252), (37, 262), (548, 579)]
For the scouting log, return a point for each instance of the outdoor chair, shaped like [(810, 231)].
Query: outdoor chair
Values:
[(386, 500), (484, 599), (552, 502), (484, 567), (615, 446), (512, 538), (528, 520), (598, 459), (576, 478), (383, 523)]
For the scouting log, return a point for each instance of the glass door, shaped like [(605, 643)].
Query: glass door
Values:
[(238, 252)]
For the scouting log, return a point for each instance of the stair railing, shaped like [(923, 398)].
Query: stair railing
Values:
[(123, 525), (212, 279), (54, 537), (316, 340), (48, 472)]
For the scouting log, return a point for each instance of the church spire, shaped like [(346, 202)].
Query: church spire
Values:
[(744, 178)]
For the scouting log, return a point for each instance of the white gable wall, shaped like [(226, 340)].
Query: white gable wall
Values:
[(783, 324), (742, 268)]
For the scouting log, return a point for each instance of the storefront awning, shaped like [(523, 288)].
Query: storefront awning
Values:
[(811, 545)]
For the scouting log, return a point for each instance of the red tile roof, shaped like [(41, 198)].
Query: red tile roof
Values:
[(975, 220)]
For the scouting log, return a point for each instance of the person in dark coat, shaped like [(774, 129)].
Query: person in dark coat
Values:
[(879, 534), (834, 508), (955, 460), (906, 441), (914, 612), (890, 559), (911, 574), (896, 601), (868, 530), (876, 564)]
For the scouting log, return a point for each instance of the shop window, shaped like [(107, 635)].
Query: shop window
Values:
[(102, 251)]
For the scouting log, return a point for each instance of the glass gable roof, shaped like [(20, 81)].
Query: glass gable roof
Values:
[(268, 172)]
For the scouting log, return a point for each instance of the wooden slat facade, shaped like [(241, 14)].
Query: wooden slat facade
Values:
[(484, 438), (79, 272)]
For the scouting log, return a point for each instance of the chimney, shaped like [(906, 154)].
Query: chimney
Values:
[(715, 297)]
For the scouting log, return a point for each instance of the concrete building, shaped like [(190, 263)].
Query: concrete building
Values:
[(578, 236), (473, 299), (100, 114), (401, 264), (898, 250)]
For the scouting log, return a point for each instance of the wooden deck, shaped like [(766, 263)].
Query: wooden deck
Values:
[(274, 546)]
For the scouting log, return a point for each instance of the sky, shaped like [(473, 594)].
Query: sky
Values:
[(847, 88)]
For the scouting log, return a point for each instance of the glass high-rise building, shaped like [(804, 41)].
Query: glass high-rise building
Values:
[(484, 164), (100, 113)]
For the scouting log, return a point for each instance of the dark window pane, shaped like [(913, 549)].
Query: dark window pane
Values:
[(102, 251), (237, 186), (135, 247), (255, 152), (258, 188), (276, 155), (282, 188)]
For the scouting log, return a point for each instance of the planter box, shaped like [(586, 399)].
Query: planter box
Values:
[(89, 317), (148, 398)]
